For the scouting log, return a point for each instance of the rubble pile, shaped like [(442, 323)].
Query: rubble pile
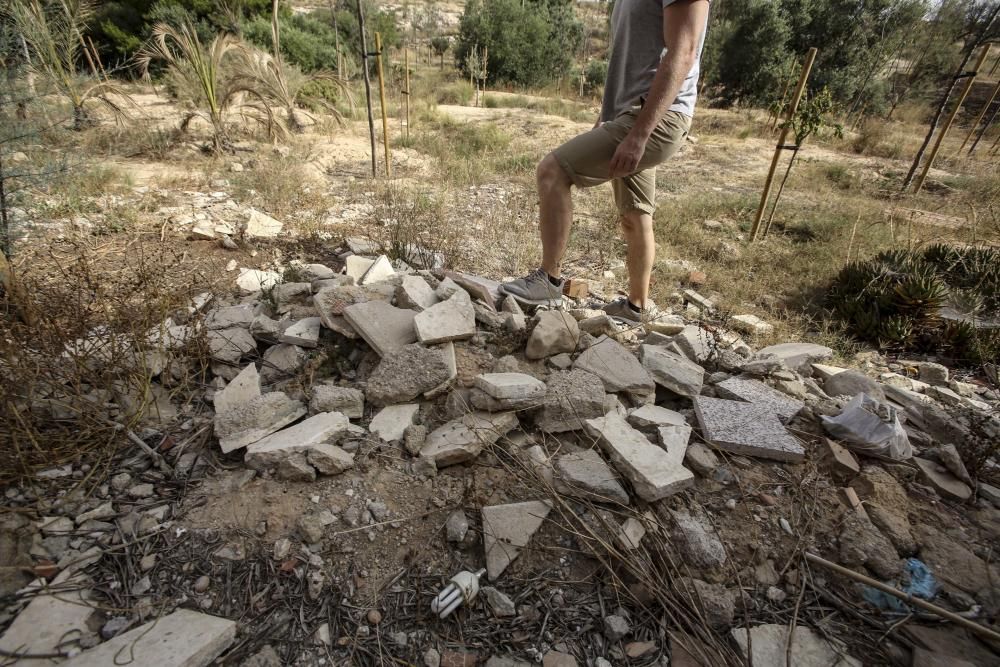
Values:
[(431, 368)]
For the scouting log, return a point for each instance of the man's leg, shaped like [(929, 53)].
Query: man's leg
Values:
[(638, 229), (555, 208)]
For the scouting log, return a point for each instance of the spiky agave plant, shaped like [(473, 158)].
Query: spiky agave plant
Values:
[(52, 32), (204, 80)]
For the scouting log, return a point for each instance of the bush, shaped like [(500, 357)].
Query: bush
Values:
[(305, 41), (457, 92), (596, 74), (895, 300), (527, 43)]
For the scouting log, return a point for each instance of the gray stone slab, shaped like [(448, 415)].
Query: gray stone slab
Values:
[(454, 319), (654, 472), (229, 345), (768, 645), (584, 474), (462, 439), (507, 530), (653, 416), (184, 638), (618, 368), (746, 428), (695, 343), (672, 371), (511, 386), (244, 388), (391, 422), (249, 422), (414, 293), (571, 398), (797, 356), (331, 398), (324, 428), (384, 327), (42, 626), (758, 393), (304, 333), (230, 316)]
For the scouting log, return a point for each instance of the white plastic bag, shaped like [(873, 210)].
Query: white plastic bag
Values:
[(870, 427)]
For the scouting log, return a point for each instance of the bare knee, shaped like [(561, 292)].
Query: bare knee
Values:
[(550, 174), (635, 221)]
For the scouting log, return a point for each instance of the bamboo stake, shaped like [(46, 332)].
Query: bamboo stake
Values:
[(951, 119), (984, 129), (792, 108), (979, 118), (406, 93), (906, 597), (368, 83), (381, 97)]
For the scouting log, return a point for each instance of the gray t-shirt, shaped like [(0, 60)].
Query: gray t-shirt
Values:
[(636, 49)]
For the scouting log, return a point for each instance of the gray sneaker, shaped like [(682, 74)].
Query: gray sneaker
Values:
[(620, 310), (534, 289)]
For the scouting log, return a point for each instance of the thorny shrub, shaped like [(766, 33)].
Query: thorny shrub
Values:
[(79, 349)]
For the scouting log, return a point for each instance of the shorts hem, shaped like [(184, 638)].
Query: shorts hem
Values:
[(574, 177)]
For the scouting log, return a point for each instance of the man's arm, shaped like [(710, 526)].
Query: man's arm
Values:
[(683, 24)]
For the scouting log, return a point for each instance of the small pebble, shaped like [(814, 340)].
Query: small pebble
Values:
[(201, 584), (374, 617), (731, 504)]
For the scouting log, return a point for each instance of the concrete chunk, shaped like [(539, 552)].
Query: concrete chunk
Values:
[(407, 372), (584, 474), (391, 422), (514, 386), (571, 398), (331, 398), (654, 416), (261, 225), (248, 422), (282, 361), (746, 428), (385, 328), (244, 388), (326, 427), (184, 638), (414, 293), (654, 472), (946, 484), (48, 620), (304, 333), (839, 460), (555, 332), (454, 319), (507, 529), (672, 371), (230, 316), (768, 645), (797, 356), (758, 393), (462, 440), (618, 368), (251, 281), (229, 345), (378, 271)]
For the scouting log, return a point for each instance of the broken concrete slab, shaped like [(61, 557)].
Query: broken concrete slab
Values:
[(797, 356), (248, 422), (331, 398), (507, 529), (850, 383), (769, 645), (252, 281), (49, 620), (282, 361), (260, 225), (942, 480), (510, 386), (839, 460), (654, 472), (462, 439), (384, 327), (571, 398), (329, 459), (414, 293), (478, 287), (230, 345), (405, 373), (584, 474), (823, 372), (184, 638), (630, 534), (665, 325), (751, 325), (701, 459), (377, 271), (265, 329), (304, 333), (448, 353), (355, 266), (758, 393), (653, 416), (618, 368), (230, 316), (672, 371), (746, 428), (450, 320), (695, 343), (244, 388), (391, 422), (555, 332), (285, 295), (324, 428), (696, 538)]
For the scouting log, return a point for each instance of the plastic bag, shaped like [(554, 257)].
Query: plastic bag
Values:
[(870, 427), (922, 585)]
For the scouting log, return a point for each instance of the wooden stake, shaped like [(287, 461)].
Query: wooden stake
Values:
[(906, 597), (406, 66), (951, 119), (381, 97), (792, 108), (979, 118), (368, 83)]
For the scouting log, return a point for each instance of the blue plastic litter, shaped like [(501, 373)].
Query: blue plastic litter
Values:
[(922, 584)]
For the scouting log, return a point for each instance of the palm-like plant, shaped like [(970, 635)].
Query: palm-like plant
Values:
[(52, 31), (204, 80)]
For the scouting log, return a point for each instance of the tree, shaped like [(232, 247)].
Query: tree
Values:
[(440, 44), (752, 61), (528, 44)]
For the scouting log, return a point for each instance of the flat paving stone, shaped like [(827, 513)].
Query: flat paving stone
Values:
[(797, 356), (618, 368), (254, 420), (304, 333), (391, 422), (507, 530), (454, 319), (47, 620), (323, 428), (672, 371), (758, 393), (384, 327), (584, 474), (746, 428), (244, 387)]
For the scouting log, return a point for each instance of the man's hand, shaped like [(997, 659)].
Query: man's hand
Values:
[(625, 161)]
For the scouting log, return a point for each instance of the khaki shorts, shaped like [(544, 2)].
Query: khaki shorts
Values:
[(585, 158)]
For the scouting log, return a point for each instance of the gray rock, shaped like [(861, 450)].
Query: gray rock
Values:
[(653, 416), (230, 316), (404, 374), (414, 438), (384, 327), (244, 388), (768, 645), (501, 605), (311, 528), (457, 526), (391, 422), (454, 319), (672, 371), (571, 398), (230, 345), (414, 293), (462, 439), (432, 658), (315, 434), (599, 325), (304, 332), (933, 373), (758, 393), (282, 361), (251, 421), (701, 459), (695, 343), (584, 474), (851, 383), (696, 539), (555, 332), (746, 428), (616, 628), (940, 478), (797, 356), (717, 603), (861, 543), (331, 398), (618, 368), (507, 530)]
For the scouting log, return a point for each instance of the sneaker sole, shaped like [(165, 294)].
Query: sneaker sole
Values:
[(552, 303)]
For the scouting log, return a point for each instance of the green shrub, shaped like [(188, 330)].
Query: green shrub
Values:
[(305, 41), (896, 300), (596, 73), (457, 92)]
